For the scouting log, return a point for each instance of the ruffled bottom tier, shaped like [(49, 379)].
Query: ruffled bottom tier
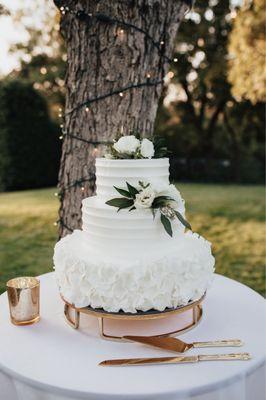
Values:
[(156, 280)]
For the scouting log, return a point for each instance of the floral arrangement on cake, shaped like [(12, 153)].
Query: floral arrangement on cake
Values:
[(133, 147), (146, 197)]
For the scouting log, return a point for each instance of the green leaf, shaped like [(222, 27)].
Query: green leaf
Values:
[(153, 212), (132, 208), (120, 203), (123, 192), (132, 190), (182, 220), (160, 148), (141, 184), (161, 201), (167, 225)]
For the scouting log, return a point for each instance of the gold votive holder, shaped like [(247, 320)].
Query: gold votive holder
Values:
[(24, 300)]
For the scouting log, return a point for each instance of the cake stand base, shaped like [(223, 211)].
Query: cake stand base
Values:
[(72, 315)]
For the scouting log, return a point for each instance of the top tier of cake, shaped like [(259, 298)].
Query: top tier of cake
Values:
[(110, 173)]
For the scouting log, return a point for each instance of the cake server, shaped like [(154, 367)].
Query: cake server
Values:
[(175, 360), (177, 345)]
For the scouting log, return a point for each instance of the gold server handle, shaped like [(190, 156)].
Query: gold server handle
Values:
[(219, 343)]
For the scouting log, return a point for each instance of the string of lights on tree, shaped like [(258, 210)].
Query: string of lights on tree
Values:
[(89, 19)]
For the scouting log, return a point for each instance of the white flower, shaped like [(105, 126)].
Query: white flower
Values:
[(127, 144), (145, 198), (147, 148)]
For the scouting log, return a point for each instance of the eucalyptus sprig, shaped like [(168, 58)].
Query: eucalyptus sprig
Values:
[(133, 198)]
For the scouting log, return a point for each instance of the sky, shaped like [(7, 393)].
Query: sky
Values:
[(11, 33)]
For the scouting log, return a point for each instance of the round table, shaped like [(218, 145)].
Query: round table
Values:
[(52, 361)]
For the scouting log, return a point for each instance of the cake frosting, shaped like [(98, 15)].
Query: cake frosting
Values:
[(126, 260)]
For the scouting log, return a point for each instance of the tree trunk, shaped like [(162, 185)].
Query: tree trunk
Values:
[(104, 57)]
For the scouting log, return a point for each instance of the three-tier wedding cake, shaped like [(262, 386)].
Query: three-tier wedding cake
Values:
[(134, 252)]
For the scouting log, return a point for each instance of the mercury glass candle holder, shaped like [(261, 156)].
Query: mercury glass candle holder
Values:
[(24, 300)]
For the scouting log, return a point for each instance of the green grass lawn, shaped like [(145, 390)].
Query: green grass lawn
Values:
[(231, 217)]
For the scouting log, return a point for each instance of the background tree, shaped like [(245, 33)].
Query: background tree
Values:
[(105, 57), (247, 53), (200, 122)]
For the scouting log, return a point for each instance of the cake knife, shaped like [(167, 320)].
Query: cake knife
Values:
[(175, 360), (177, 345)]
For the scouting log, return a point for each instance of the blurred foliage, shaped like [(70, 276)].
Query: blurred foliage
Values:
[(212, 136), (42, 57), (29, 144), (247, 49)]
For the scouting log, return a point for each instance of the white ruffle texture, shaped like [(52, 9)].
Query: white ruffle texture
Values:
[(181, 273)]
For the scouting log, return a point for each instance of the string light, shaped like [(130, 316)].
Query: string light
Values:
[(87, 17), (92, 142), (120, 91), (170, 74)]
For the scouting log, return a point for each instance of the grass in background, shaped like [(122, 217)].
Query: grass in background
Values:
[(231, 217)]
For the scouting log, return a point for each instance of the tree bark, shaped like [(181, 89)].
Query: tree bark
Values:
[(105, 57)]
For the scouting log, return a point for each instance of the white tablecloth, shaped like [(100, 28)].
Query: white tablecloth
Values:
[(51, 361)]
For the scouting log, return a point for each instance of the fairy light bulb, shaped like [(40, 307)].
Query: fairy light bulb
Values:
[(175, 59), (82, 188), (87, 109), (121, 94), (148, 75), (56, 194), (170, 74), (61, 137), (61, 126), (162, 42), (60, 115), (55, 223)]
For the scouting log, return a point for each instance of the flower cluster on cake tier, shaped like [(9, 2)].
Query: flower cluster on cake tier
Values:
[(126, 260)]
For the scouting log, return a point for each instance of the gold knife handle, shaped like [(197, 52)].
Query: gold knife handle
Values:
[(219, 343), (225, 357)]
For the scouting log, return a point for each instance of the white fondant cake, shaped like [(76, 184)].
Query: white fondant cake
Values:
[(126, 260)]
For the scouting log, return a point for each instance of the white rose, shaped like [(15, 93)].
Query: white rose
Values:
[(127, 144), (147, 148), (145, 198)]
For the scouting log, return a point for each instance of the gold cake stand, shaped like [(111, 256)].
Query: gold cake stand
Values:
[(195, 306)]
